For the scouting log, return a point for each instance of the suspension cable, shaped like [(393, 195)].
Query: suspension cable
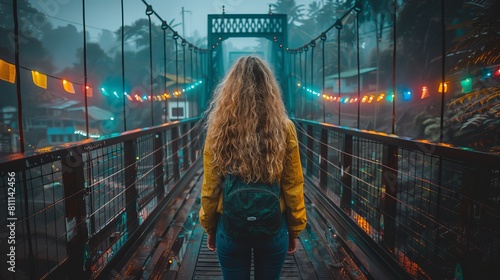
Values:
[(176, 94), (359, 74), (191, 76), (183, 44), (163, 26), (323, 39), (301, 78), (123, 66), (338, 69), (150, 69), (305, 80), (312, 44)]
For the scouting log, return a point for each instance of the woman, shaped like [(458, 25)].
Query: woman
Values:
[(249, 135)]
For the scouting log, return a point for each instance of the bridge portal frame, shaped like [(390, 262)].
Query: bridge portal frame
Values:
[(270, 26)]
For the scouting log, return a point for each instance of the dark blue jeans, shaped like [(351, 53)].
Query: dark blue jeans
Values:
[(235, 254)]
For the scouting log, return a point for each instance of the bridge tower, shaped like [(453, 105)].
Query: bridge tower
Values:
[(270, 26)]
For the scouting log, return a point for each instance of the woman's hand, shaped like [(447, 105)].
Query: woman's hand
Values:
[(211, 243), (292, 245)]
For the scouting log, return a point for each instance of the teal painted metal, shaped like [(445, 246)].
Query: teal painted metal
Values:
[(269, 26)]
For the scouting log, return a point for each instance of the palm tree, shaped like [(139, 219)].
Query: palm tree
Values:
[(295, 15), (295, 12), (471, 119), (476, 116)]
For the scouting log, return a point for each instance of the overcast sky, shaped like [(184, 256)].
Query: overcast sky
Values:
[(105, 14), (196, 18)]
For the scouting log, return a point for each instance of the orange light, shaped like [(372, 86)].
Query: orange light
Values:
[(441, 87), (39, 79), (7, 71), (68, 86), (425, 92), (89, 91)]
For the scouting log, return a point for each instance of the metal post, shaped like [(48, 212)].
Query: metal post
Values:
[(323, 39), (18, 77), (313, 44), (164, 26), (85, 70), (323, 171), (185, 146), (338, 67), (158, 170), (443, 61), (193, 148), (359, 75), (74, 203), (305, 81), (191, 97), (301, 95), (394, 38), (389, 194), (310, 143), (345, 202), (184, 75), (175, 152), (123, 67), (131, 193), (151, 71), (183, 25), (176, 93)]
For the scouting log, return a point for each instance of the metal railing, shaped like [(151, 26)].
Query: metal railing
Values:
[(69, 210), (432, 209)]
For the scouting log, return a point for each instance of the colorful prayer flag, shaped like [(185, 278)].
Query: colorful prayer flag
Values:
[(39, 79), (7, 71), (68, 86)]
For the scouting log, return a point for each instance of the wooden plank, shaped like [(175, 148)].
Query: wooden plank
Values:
[(207, 266)]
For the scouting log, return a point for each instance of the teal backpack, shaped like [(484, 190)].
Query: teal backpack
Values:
[(250, 210)]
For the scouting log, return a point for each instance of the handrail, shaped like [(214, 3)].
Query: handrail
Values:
[(441, 149), (72, 208), (427, 206)]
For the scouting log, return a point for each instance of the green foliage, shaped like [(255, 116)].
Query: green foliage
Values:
[(473, 119)]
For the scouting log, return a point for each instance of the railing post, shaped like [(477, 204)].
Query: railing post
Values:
[(323, 171), (130, 187), (194, 144), (300, 138), (74, 197), (185, 147), (309, 152), (477, 185), (175, 152), (345, 201), (389, 194), (158, 150)]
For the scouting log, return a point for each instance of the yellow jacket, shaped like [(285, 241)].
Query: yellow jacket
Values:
[(292, 189)]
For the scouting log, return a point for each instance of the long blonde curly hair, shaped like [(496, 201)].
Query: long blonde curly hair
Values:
[(247, 123)]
